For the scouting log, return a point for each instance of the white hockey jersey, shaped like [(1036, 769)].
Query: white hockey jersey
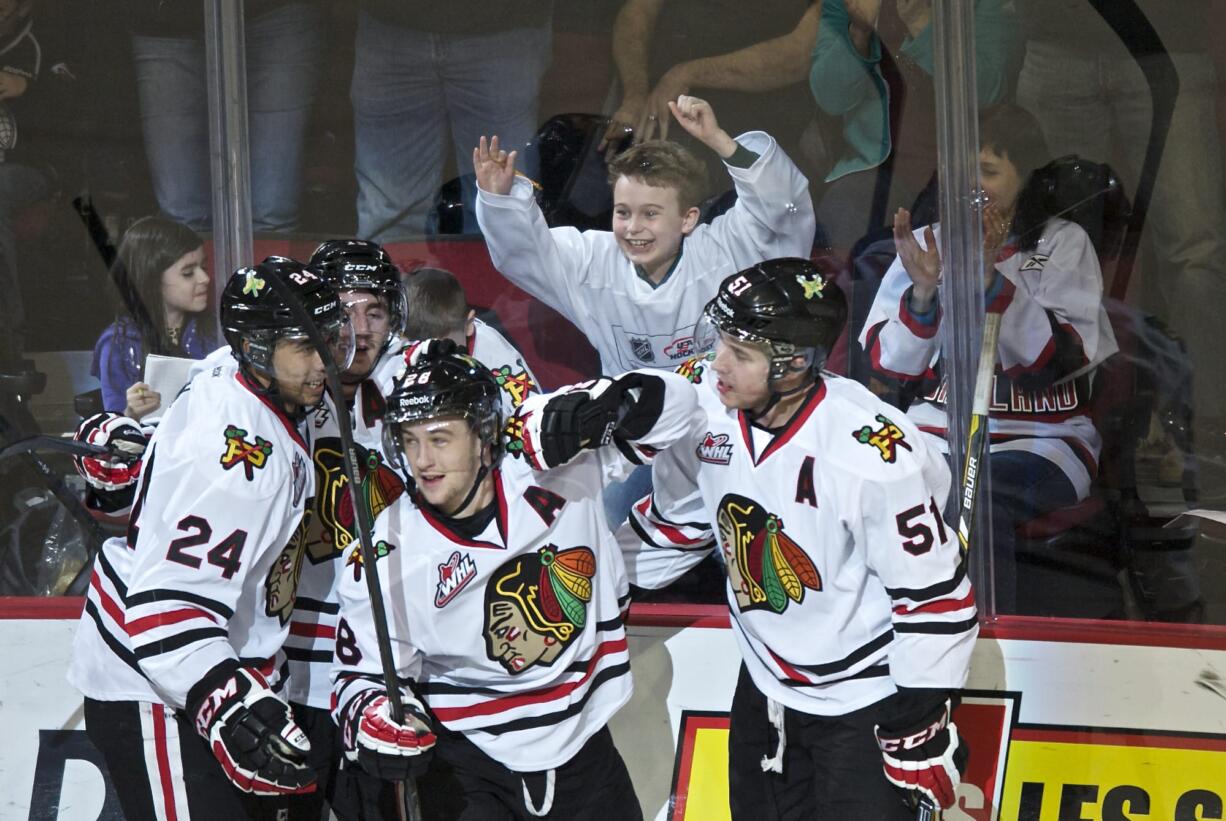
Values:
[(514, 637), (632, 323), (492, 349), (1054, 332), (210, 565), (844, 582)]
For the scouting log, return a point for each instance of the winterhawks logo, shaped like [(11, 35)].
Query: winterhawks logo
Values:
[(715, 449), (453, 577)]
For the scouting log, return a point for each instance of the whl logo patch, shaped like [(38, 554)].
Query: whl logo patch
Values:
[(453, 577), (715, 449)]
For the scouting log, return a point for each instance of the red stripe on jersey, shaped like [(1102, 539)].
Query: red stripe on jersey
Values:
[(788, 670), (163, 761), (141, 625), (317, 631), (671, 533), (499, 705), (938, 606), (797, 422), (258, 393), (921, 329), (108, 604)]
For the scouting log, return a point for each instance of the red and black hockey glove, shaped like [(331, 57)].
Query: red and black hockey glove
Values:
[(382, 747), (428, 349), (251, 732), (925, 757), (111, 479)]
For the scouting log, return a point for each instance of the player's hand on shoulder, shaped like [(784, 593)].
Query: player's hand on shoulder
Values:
[(494, 167), (251, 732), (556, 427), (387, 749), (111, 476), (923, 755)]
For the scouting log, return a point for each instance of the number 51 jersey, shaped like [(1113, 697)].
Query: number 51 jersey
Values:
[(843, 580)]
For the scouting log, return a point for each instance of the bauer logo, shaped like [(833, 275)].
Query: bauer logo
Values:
[(715, 449), (453, 577)]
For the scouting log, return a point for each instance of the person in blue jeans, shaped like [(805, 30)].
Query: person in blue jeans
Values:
[(162, 290), (283, 38), (423, 70)]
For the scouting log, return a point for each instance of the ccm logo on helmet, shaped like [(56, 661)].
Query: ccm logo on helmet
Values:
[(323, 309), (361, 266)]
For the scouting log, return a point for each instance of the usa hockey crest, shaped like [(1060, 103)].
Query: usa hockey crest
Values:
[(536, 605), (887, 439), (715, 449), (767, 570), (516, 385), (251, 455), (453, 576)]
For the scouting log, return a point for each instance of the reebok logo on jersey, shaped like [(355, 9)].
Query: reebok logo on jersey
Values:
[(1036, 262), (516, 385), (887, 439), (715, 449), (251, 455), (453, 577)]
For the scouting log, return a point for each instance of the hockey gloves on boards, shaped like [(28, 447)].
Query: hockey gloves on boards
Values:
[(926, 757), (111, 478), (382, 747), (251, 732), (556, 427)]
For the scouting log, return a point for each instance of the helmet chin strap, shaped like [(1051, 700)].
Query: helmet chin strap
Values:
[(776, 397), (482, 472), (272, 393)]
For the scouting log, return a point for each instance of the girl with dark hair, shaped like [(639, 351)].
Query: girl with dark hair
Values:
[(162, 287), (1042, 275)]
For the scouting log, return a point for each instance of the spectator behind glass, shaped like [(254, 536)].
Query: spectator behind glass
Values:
[(22, 183), (163, 288), (1092, 99), (283, 41), (425, 69), (1042, 275), (872, 68)]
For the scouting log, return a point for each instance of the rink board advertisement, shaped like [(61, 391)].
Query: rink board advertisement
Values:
[(1099, 723)]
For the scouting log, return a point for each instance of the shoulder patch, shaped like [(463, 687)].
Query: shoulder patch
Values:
[(693, 367), (382, 548), (516, 385), (251, 455), (888, 438)]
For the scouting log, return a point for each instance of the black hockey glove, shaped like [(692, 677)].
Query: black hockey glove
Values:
[(111, 479), (923, 755), (251, 732), (382, 747), (428, 349)]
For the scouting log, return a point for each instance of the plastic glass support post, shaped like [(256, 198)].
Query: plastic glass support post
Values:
[(953, 25), (229, 155)]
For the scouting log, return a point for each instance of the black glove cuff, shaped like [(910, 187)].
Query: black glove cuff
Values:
[(636, 417), (207, 684), (912, 709)]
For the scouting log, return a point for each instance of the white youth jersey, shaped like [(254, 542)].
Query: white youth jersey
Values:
[(514, 636), (844, 582), (495, 352), (210, 565), (632, 323), (1054, 332)]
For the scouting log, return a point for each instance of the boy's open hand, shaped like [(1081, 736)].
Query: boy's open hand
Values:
[(697, 117), (923, 265), (495, 168)]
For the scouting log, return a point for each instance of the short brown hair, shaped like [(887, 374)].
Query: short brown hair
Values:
[(663, 164), (437, 304)]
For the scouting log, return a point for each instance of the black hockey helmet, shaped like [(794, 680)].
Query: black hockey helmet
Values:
[(786, 306), (361, 265), (445, 385), (253, 312)]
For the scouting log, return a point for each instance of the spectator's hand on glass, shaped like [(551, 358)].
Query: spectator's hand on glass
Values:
[(623, 124), (495, 168), (698, 118), (995, 232), (923, 265), (142, 400), (670, 87), (12, 85)]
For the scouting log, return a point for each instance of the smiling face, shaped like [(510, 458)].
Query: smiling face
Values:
[(299, 373), (649, 223), (445, 456), (185, 285), (372, 324), (1000, 181)]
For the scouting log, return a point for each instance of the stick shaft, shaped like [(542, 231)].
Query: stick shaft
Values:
[(977, 432)]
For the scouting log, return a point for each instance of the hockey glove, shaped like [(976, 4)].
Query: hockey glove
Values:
[(382, 747), (251, 732), (925, 758), (428, 349), (558, 426), (111, 479)]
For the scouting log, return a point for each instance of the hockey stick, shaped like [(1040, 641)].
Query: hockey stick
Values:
[(977, 433), (406, 790)]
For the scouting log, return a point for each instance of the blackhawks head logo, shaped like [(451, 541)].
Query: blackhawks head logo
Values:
[(281, 583), (535, 606), (887, 439), (333, 524), (765, 567)]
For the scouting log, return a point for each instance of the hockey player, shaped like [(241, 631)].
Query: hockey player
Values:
[(501, 588), (438, 309), (178, 651), (848, 597)]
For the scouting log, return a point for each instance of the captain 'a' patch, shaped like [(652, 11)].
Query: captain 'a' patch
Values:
[(766, 568)]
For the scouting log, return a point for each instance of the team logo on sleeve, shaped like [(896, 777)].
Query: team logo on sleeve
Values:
[(536, 605), (381, 549), (453, 577), (887, 439), (693, 367), (251, 455), (513, 437), (516, 385), (766, 569), (715, 449)]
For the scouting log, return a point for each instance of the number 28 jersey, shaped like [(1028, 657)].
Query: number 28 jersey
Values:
[(843, 580)]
